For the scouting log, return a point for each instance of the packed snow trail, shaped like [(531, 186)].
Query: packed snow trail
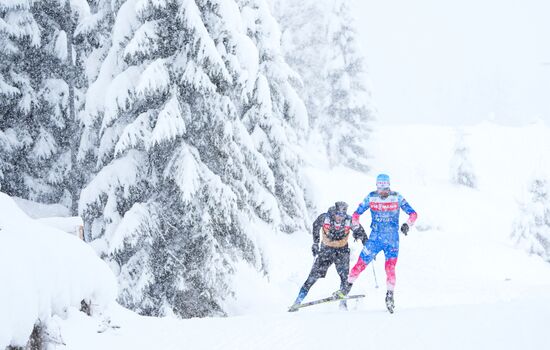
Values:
[(504, 325)]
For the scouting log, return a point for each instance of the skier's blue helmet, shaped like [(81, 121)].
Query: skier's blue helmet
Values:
[(383, 182)]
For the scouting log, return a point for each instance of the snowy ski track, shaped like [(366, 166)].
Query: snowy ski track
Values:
[(461, 282)]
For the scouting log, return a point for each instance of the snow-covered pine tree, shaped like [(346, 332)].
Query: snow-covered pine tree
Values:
[(349, 111), (94, 33), (320, 43), (42, 115), (179, 179), (306, 46), (274, 114), (462, 172), (18, 30), (532, 227)]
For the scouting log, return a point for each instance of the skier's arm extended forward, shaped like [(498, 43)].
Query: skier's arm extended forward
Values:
[(406, 207), (317, 224), (363, 206)]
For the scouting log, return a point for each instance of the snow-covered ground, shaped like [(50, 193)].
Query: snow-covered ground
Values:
[(517, 324), (44, 273), (461, 282)]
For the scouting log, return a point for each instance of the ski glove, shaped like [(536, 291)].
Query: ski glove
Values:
[(359, 233), (315, 249), (405, 228)]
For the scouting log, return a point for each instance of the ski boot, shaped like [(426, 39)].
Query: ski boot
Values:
[(301, 296), (339, 294), (343, 292), (343, 305), (389, 301), (294, 307)]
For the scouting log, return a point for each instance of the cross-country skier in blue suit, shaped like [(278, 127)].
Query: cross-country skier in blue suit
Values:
[(384, 206)]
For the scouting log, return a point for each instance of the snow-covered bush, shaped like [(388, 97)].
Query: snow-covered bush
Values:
[(462, 172), (44, 272), (532, 228)]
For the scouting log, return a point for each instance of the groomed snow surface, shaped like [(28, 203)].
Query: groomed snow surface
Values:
[(461, 282)]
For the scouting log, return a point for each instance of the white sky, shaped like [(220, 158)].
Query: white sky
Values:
[(457, 62)]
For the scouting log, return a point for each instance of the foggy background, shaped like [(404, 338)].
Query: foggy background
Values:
[(458, 62)]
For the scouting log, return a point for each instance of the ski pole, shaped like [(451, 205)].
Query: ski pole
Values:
[(374, 272)]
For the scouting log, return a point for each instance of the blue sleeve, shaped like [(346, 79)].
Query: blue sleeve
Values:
[(364, 205), (403, 204)]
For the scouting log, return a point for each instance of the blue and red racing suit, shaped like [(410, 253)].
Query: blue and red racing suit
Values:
[(385, 232)]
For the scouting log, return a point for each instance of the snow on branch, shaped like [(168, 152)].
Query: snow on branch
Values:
[(10, 5), (128, 229), (155, 79), (184, 169), (125, 23), (144, 41), (170, 122), (90, 23), (120, 94), (195, 78), (44, 145), (21, 24), (208, 55), (134, 134), (7, 90), (144, 6), (122, 172)]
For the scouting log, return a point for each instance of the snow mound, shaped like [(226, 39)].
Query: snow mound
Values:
[(39, 210), (44, 272)]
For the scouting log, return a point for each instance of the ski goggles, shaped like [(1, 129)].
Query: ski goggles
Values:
[(340, 215)]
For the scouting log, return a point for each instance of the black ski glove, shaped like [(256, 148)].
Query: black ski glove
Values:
[(315, 249), (405, 228), (359, 233)]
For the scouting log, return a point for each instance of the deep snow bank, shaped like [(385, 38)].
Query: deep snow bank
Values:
[(44, 272)]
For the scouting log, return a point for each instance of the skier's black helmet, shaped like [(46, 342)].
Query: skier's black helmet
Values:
[(341, 207)]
